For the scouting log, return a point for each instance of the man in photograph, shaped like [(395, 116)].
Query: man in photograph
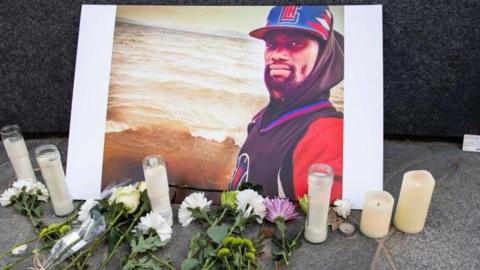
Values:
[(299, 126)]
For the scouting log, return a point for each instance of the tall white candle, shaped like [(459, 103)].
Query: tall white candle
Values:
[(320, 178), (50, 163), (414, 201), (157, 186), (376, 213), (17, 152)]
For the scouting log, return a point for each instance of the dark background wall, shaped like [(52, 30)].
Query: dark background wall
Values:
[(431, 63)]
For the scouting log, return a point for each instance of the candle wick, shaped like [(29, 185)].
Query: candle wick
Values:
[(378, 204)]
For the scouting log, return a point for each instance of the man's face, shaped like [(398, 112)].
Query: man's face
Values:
[(289, 58)]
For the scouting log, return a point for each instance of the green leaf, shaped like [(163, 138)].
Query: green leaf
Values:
[(217, 233), (130, 265), (281, 226), (151, 243), (38, 211), (112, 238), (236, 259), (190, 264)]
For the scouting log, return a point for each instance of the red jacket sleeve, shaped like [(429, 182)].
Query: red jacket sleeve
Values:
[(322, 143)]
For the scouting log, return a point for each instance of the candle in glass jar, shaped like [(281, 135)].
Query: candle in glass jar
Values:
[(320, 179), (156, 180), (414, 201), (17, 152), (50, 163), (376, 213)]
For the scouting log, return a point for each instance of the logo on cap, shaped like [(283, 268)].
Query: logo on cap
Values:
[(240, 175), (289, 14)]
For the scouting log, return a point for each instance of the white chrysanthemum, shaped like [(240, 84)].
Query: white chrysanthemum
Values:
[(249, 203), (6, 197), (41, 191), (194, 200), (84, 213), (29, 184), (342, 207), (155, 221)]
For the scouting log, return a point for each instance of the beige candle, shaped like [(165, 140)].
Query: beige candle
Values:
[(50, 164), (376, 213), (17, 152), (320, 178), (157, 186), (414, 201)]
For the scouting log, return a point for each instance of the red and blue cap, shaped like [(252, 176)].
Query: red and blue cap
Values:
[(317, 20)]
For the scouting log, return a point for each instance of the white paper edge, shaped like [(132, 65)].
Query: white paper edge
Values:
[(363, 103), (89, 101), (363, 99)]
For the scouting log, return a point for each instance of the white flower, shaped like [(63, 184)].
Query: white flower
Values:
[(194, 200), (128, 195), (28, 183), (84, 213), (6, 197), (249, 203), (41, 191), (342, 207), (141, 186), (155, 221)]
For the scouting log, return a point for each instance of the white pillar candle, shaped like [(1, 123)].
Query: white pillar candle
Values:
[(157, 186), (376, 213), (50, 164), (414, 201), (320, 178), (17, 152)]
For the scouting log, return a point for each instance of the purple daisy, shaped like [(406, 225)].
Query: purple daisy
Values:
[(280, 208)]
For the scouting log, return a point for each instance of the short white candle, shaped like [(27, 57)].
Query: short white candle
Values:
[(376, 213), (320, 179), (414, 201), (17, 152), (50, 164), (157, 186)]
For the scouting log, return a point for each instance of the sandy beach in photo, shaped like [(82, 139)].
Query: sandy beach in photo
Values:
[(174, 93)]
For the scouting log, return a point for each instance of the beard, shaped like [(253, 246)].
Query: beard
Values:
[(281, 85)]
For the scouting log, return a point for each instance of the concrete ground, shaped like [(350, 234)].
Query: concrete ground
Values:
[(450, 240)]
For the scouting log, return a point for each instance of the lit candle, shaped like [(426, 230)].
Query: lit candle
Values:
[(50, 164), (320, 178), (376, 214), (414, 201), (17, 152), (157, 186)]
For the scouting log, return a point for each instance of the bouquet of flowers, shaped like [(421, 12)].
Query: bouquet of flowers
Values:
[(123, 217)]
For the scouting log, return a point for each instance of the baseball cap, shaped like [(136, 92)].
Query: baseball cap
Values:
[(317, 20)]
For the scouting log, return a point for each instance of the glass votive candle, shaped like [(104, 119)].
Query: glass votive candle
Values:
[(50, 163), (320, 179), (17, 152), (158, 192)]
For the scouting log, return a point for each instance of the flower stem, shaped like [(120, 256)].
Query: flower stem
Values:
[(237, 221), (206, 217), (226, 262), (101, 238), (12, 264), (114, 250), (206, 267), (165, 263), (17, 245), (217, 220)]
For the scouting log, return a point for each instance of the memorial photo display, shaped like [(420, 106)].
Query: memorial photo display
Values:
[(228, 95)]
